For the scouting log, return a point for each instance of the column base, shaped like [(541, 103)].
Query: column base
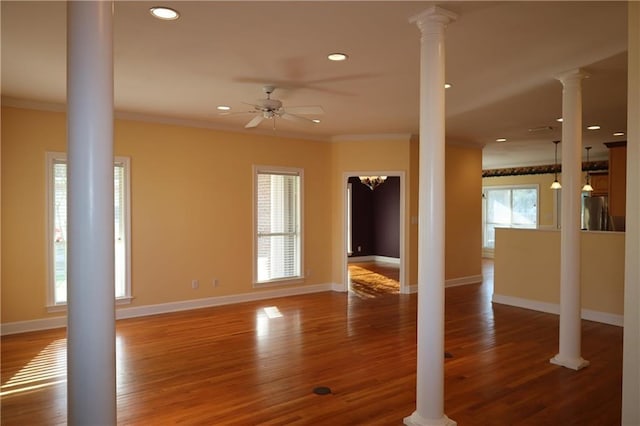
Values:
[(572, 363), (416, 419)]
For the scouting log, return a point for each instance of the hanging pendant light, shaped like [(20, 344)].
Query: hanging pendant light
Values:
[(587, 186), (556, 184)]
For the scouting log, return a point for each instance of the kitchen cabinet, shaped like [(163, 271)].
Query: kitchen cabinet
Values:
[(600, 184)]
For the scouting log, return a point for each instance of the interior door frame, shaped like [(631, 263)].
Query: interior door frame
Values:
[(404, 288)]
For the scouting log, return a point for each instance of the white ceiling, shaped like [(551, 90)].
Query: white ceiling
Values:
[(501, 58)]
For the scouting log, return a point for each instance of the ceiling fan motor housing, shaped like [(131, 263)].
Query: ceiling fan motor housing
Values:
[(270, 104)]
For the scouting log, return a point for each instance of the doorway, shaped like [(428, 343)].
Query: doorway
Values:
[(374, 235)]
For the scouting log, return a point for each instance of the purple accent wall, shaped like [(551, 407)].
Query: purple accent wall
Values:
[(375, 219)]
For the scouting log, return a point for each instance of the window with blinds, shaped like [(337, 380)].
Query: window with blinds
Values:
[(278, 219), (58, 228)]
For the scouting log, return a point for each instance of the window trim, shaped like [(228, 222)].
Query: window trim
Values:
[(51, 158), (293, 171)]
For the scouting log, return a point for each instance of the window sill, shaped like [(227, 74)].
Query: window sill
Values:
[(62, 307), (279, 282)]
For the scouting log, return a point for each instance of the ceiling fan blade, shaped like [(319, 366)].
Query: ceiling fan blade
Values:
[(254, 121), (257, 107), (305, 110), (236, 112), (296, 118)]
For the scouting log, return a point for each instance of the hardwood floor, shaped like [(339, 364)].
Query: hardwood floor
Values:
[(373, 279), (251, 364)]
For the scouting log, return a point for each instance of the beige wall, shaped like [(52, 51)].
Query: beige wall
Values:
[(191, 206), (527, 266), (463, 235), (349, 157), (545, 194)]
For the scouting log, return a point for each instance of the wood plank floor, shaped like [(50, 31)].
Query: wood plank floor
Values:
[(248, 365), (373, 279)]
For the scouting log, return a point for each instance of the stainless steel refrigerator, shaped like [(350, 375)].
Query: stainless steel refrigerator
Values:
[(595, 213)]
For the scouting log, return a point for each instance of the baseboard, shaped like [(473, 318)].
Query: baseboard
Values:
[(33, 325), (488, 253), (163, 308), (471, 279), (554, 308), (374, 258), (341, 288), (453, 282)]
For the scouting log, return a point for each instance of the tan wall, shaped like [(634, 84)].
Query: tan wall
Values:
[(463, 235), (351, 156), (191, 208), (527, 266), (545, 194)]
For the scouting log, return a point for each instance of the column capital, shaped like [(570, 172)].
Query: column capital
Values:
[(576, 75), (433, 15)]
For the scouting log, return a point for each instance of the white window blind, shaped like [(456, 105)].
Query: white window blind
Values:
[(278, 225), (58, 220)]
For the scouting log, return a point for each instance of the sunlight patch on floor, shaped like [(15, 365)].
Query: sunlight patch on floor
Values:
[(47, 368)]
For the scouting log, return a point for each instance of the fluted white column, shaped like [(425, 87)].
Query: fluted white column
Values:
[(631, 351), (431, 220), (570, 303), (91, 384)]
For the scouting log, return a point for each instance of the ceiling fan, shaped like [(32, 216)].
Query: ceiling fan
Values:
[(272, 108)]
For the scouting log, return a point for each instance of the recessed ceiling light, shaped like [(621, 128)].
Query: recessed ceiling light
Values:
[(501, 140), (594, 127), (315, 120), (337, 56), (559, 120), (618, 134), (223, 108), (447, 85), (165, 13)]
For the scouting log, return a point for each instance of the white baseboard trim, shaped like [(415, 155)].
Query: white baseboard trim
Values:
[(488, 253), (33, 325), (453, 282), (163, 308), (341, 288), (554, 308), (471, 279), (375, 258)]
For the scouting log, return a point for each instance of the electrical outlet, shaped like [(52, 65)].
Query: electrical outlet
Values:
[(195, 284), (214, 282)]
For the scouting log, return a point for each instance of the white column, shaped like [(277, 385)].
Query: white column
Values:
[(570, 304), (631, 350), (91, 384), (430, 363)]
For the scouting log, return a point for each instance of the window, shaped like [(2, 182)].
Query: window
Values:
[(278, 224), (57, 205), (508, 207)]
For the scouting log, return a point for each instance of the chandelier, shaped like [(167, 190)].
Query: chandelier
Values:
[(372, 181)]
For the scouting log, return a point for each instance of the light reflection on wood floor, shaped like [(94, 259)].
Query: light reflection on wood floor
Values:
[(373, 279)]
